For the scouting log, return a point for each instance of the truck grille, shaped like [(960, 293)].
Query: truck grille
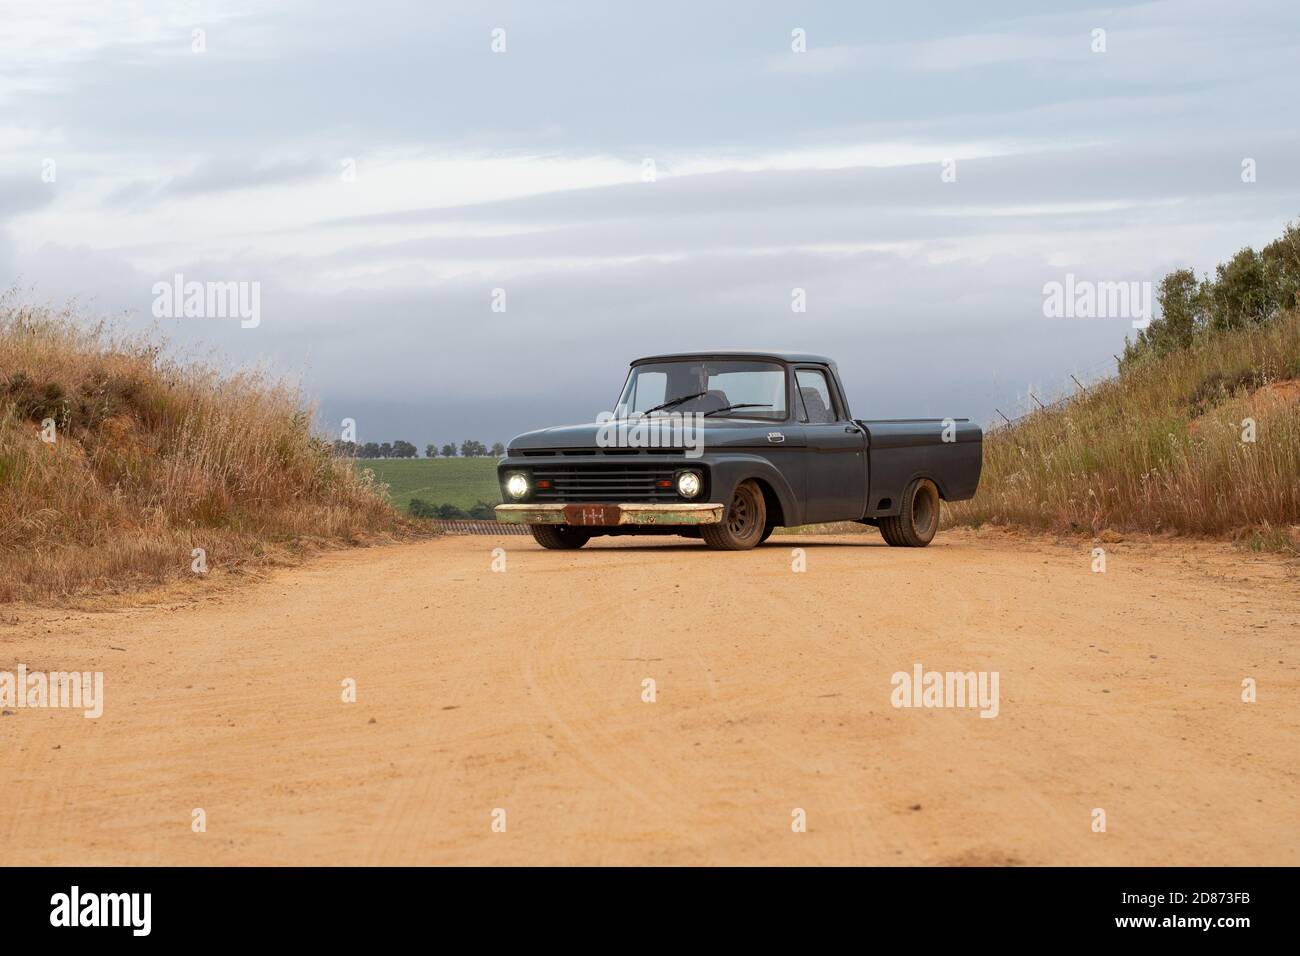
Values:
[(601, 482)]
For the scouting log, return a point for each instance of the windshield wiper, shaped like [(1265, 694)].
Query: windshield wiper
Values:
[(674, 401), (727, 408)]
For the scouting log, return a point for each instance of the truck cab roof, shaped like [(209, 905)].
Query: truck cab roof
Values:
[(789, 358)]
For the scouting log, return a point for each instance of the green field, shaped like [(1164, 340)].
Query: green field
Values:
[(458, 481)]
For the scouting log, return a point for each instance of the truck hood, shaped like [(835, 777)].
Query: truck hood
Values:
[(715, 433)]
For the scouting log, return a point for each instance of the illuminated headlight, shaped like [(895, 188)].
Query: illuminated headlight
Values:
[(516, 486), (688, 484)]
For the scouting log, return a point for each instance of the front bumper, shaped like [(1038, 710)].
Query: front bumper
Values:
[(607, 515)]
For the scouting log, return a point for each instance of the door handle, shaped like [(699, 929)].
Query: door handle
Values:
[(852, 429)]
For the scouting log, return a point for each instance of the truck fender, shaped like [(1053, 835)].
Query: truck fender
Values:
[(727, 471)]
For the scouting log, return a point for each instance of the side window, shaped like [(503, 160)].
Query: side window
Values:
[(814, 396)]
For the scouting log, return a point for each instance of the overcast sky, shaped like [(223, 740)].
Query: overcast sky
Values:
[(526, 170)]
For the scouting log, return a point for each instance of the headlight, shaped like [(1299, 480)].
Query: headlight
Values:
[(516, 486), (688, 484)]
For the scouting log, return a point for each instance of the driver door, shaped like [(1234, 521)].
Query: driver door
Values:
[(836, 456)]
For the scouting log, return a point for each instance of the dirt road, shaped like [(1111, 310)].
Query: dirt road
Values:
[(522, 690)]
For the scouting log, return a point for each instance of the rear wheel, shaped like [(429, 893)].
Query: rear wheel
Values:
[(559, 537), (886, 526), (743, 523), (918, 521)]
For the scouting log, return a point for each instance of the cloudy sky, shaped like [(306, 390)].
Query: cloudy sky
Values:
[(379, 169)]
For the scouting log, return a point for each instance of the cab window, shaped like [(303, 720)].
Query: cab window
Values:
[(815, 404)]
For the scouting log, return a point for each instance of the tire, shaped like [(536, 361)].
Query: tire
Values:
[(767, 532), (559, 537), (886, 526), (742, 523), (916, 525)]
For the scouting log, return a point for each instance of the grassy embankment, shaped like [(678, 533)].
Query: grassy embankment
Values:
[(1199, 433), (151, 459), (1160, 448)]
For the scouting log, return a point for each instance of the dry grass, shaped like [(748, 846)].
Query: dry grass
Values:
[(154, 458), (1160, 449)]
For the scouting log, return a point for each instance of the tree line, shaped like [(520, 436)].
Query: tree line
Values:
[(1249, 289), (404, 449)]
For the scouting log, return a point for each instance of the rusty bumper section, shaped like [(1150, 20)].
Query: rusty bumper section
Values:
[(603, 515)]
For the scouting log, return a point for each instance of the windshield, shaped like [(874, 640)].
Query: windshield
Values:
[(711, 388)]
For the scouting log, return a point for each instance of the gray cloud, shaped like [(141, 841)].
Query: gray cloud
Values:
[(1115, 166), (24, 193), (218, 176)]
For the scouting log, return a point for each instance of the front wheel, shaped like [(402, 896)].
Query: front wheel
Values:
[(743, 524), (559, 537), (918, 521)]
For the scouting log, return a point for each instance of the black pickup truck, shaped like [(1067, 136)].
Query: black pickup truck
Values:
[(727, 446)]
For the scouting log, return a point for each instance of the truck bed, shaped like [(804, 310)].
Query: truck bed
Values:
[(901, 449)]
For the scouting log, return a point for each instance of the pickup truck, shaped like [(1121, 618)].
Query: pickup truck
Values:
[(727, 446)]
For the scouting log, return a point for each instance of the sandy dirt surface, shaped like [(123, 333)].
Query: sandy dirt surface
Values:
[(522, 690)]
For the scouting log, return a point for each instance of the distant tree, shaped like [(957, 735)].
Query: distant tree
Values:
[(369, 450), (449, 512), (472, 449), (345, 449), (404, 449), (1282, 267), (1183, 312), (386, 450), (1240, 296), (498, 450), (449, 450), (430, 451)]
